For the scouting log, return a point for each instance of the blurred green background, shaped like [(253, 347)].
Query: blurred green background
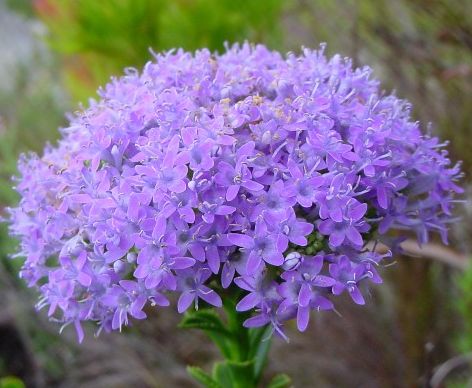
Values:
[(417, 329)]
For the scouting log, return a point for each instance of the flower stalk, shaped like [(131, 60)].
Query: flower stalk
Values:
[(244, 350)]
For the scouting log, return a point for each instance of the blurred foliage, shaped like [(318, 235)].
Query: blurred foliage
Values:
[(27, 124), (459, 374), (32, 106), (464, 305), (101, 38), (21, 6), (11, 382)]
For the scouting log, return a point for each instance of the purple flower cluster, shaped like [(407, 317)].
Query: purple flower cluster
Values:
[(209, 173)]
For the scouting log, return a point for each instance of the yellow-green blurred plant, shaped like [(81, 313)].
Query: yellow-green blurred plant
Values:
[(99, 38), (11, 382)]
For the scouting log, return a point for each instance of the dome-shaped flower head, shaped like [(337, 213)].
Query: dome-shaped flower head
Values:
[(247, 170)]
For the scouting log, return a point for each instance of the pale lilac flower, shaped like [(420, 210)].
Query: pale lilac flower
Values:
[(192, 287), (248, 171)]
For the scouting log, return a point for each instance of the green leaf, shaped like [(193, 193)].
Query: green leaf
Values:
[(260, 341), (205, 319), (242, 373), (11, 382), (222, 375), (234, 374), (280, 381), (202, 377), (210, 322)]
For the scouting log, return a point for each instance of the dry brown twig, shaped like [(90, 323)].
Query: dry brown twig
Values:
[(431, 251)]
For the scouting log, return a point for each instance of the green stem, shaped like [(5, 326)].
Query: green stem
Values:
[(244, 350), (240, 340)]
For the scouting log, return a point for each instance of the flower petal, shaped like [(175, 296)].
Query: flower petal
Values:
[(185, 300), (241, 240), (210, 296), (250, 301), (303, 317)]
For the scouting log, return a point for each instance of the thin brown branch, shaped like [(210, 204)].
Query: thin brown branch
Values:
[(432, 251)]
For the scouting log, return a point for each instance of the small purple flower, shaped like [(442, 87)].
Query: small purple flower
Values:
[(76, 269), (304, 187), (386, 187), (200, 156), (192, 288), (293, 230), (184, 203), (124, 302), (274, 203), (347, 278), (157, 269), (327, 144), (348, 227), (238, 176), (236, 262), (301, 290), (261, 289), (260, 247)]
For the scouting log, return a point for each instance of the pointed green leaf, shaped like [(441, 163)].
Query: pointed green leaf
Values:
[(280, 381), (222, 375), (204, 320), (202, 377), (209, 321), (260, 341), (223, 343)]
